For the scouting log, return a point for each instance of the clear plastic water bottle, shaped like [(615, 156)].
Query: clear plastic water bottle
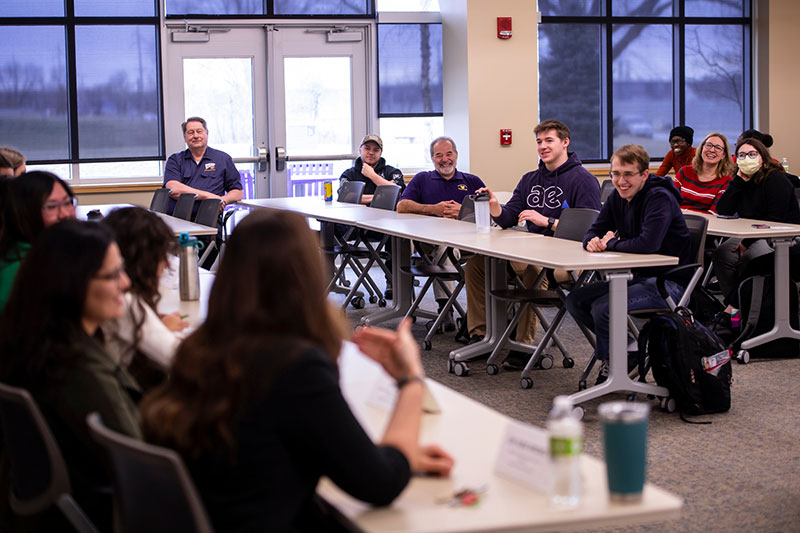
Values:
[(566, 446), (785, 164)]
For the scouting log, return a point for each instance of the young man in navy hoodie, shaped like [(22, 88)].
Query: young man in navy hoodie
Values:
[(642, 215), (559, 182)]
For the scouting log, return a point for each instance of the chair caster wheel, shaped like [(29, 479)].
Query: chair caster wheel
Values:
[(492, 369), (526, 383), (450, 366), (668, 404), (743, 357), (578, 412), (373, 299), (461, 369), (426, 345), (381, 303), (358, 302), (546, 362), (568, 362), (582, 385)]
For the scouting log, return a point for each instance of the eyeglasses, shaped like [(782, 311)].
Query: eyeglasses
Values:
[(677, 140), (626, 175), (114, 275), (747, 155), (52, 207), (715, 147)]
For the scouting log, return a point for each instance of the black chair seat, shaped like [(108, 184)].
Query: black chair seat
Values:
[(439, 271)]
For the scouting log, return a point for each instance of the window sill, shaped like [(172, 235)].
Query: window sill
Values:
[(116, 187)]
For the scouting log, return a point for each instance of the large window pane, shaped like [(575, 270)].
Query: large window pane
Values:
[(714, 89), (122, 169), (571, 8), (32, 8), (118, 8), (570, 80), (407, 5), (215, 7), (714, 8), (118, 102), (642, 73), (318, 105), (406, 140), (322, 7), (33, 91), (221, 91), (410, 68), (641, 8)]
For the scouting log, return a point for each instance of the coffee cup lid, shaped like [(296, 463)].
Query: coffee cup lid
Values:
[(624, 411)]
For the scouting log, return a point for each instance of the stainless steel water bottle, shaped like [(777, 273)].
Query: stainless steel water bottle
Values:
[(189, 269)]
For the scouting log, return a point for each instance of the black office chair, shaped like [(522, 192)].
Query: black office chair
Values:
[(39, 478), (350, 192), (605, 190), (208, 212), (152, 489), (160, 199), (184, 206), (572, 225)]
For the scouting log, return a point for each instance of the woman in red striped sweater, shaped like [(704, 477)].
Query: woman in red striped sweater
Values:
[(703, 182)]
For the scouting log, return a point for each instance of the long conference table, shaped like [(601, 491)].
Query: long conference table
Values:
[(506, 505), (177, 225), (500, 245)]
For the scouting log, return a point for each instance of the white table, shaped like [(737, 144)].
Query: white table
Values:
[(507, 505), (781, 235), (177, 225)]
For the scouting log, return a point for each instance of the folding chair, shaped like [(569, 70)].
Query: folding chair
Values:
[(572, 225), (385, 197), (39, 477), (152, 489), (160, 199), (184, 206), (208, 215)]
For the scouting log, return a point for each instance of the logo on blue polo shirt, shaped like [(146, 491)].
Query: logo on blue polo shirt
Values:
[(462, 187), (210, 167)]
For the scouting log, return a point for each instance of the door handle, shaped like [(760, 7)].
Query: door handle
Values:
[(280, 158), (263, 158)]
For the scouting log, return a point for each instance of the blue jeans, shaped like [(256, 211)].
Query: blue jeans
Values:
[(588, 305)]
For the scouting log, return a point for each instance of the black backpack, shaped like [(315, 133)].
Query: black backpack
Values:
[(689, 360)]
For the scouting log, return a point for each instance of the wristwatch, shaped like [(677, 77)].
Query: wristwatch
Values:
[(550, 222)]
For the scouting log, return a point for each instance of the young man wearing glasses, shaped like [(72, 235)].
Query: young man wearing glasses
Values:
[(642, 215)]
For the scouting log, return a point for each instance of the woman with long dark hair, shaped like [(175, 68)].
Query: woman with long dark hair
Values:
[(146, 243), (70, 283), (253, 403), (31, 202)]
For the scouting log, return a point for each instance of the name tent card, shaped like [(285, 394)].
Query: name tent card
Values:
[(524, 456)]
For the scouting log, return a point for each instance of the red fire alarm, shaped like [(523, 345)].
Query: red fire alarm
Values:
[(504, 27), (505, 137)]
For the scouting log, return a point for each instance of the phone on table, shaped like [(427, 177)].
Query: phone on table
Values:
[(761, 226)]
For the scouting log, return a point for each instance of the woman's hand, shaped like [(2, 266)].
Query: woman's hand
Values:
[(174, 322), (433, 460), (396, 351)]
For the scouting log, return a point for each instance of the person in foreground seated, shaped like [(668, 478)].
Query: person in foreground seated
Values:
[(142, 339), (560, 182), (14, 159), (253, 402), (761, 191), (682, 152), (71, 282), (200, 169), (439, 193), (704, 181), (31, 202), (642, 215), (372, 169)]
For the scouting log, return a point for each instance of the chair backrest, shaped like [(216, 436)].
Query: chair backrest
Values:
[(208, 212), (605, 190), (152, 489), (160, 199), (574, 222), (698, 225), (467, 210), (184, 205), (350, 192), (385, 197), (38, 473)]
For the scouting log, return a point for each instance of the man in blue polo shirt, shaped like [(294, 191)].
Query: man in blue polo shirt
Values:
[(439, 193), (201, 170)]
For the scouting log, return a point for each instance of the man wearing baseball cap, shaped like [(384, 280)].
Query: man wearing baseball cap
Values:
[(372, 169)]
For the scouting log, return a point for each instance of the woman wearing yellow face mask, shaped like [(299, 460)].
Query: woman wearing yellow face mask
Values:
[(760, 190)]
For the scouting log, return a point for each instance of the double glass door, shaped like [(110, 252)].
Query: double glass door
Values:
[(288, 103)]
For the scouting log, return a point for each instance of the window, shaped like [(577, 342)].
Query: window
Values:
[(270, 7), (82, 85), (627, 71)]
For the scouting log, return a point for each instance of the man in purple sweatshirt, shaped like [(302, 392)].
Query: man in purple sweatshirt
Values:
[(560, 182), (642, 216)]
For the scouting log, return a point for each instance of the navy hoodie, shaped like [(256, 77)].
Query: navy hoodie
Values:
[(651, 223), (569, 185)]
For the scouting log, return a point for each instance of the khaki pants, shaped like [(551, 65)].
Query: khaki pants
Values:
[(476, 297)]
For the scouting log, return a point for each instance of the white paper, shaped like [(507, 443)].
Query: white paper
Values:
[(524, 456)]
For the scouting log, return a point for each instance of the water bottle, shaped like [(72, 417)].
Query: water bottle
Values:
[(785, 164), (566, 445), (189, 269), (482, 212)]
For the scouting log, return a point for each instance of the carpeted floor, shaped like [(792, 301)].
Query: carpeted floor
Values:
[(739, 473)]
